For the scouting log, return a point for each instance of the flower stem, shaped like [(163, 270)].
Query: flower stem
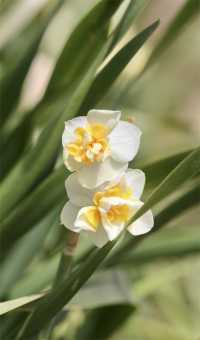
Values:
[(64, 268), (67, 256)]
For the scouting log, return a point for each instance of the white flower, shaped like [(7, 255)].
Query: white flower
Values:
[(98, 147), (103, 213)]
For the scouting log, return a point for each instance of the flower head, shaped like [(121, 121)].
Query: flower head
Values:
[(104, 212), (99, 146)]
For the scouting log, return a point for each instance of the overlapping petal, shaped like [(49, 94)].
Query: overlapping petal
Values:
[(70, 127), (68, 216), (78, 195), (143, 224), (124, 141), (106, 117), (103, 194), (99, 146), (99, 173)]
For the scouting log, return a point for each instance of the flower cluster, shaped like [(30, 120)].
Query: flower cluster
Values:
[(103, 193)]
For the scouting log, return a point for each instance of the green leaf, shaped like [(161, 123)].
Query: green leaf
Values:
[(12, 305), (62, 294), (40, 160), (187, 13), (174, 243), (185, 170), (111, 317), (110, 287), (20, 138), (33, 211), (115, 66), (179, 206), (75, 58), (17, 56), (54, 301), (39, 277), (134, 8), (24, 251), (155, 172)]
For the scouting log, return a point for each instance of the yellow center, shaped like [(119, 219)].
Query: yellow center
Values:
[(115, 191), (90, 144), (116, 213), (93, 217)]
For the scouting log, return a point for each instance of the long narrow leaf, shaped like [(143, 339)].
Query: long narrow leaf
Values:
[(134, 8), (17, 55), (36, 163), (180, 243), (35, 207), (185, 170), (23, 253), (179, 206), (68, 67), (187, 13), (66, 290), (115, 66), (156, 171)]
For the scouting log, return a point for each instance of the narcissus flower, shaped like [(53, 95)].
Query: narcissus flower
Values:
[(98, 147), (103, 213)]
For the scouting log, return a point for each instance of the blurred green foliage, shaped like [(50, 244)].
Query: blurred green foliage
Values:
[(58, 59)]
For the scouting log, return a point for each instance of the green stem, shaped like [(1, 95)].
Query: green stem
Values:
[(64, 268)]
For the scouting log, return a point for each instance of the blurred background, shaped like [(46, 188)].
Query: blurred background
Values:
[(165, 103)]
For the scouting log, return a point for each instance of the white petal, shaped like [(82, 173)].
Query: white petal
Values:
[(68, 134), (107, 202), (113, 229), (135, 179), (105, 117), (70, 163), (81, 221), (143, 224), (68, 216), (99, 238), (77, 194), (124, 141), (100, 172)]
